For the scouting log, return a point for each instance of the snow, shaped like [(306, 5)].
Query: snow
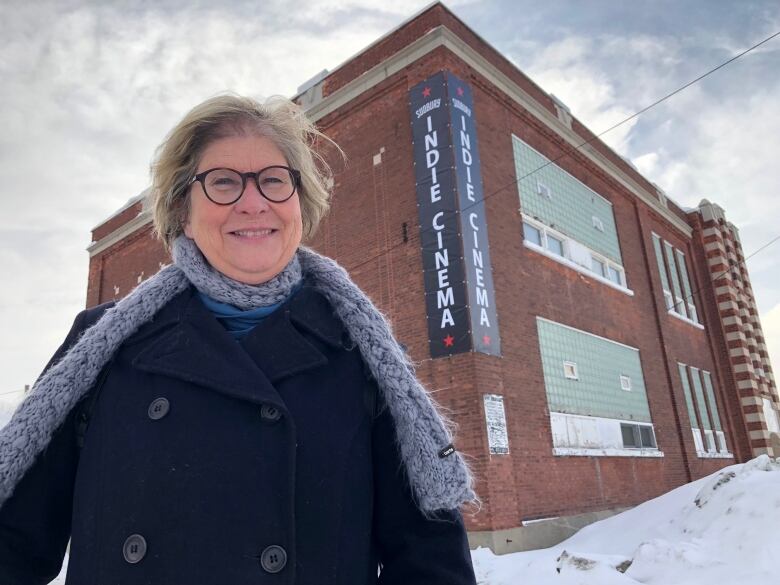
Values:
[(721, 529)]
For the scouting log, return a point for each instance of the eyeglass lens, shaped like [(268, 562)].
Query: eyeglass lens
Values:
[(225, 185)]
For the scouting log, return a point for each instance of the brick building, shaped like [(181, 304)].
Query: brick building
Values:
[(597, 344)]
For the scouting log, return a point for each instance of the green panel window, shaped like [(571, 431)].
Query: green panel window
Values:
[(555, 198), (697, 389), (711, 399), (688, 398), (679, 303), (659, 257), (600, 364)]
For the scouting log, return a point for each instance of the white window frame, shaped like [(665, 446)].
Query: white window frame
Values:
[(548, 237), (673, 301), (709, 439), (625, 382), (533, 227), (638, 434), (566, 259), (574, 372)]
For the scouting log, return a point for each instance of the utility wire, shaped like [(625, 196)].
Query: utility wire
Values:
[(584, 143), (732, 265)]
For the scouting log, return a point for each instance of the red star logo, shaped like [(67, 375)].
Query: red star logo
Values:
[(448, 341), (486, 339), (427, 92), (459, 91)]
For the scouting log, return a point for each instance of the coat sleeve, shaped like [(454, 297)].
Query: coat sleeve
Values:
[(413, 549), (35, 521)]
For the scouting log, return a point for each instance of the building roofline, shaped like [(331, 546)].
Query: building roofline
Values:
[(444, 36), (132, 201)]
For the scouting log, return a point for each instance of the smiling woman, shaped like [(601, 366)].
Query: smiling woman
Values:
[(243, 416)]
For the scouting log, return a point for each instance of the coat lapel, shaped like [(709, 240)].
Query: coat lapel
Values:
[(192, 346), (278, 344), (185, 341)]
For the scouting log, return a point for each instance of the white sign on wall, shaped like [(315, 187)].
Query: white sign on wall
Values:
[(495, 417)]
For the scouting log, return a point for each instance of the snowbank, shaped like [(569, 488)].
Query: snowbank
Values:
[(721, 529)]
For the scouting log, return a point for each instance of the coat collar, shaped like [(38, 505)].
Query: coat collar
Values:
[(185, 341)]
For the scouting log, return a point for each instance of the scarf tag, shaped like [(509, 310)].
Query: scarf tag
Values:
[(448, 450)]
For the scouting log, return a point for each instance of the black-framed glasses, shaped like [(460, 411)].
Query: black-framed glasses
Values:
[(222, 186)]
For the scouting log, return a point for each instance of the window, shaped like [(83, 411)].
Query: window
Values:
[(543, 190), (598, 224), (560, 245), (615, 275), (598, 266), (554, 245), (675, 283), (647, 435), (570, 370), (625, 383), (637, 436), (709, 438), (532, 234)]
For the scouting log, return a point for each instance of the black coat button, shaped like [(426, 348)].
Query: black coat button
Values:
[(159, 408), (134, 548), (270, 413), (273, 559)]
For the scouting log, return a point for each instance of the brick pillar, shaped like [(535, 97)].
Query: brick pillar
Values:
[(748, 357)]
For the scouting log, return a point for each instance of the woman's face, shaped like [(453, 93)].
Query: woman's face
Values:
[(253, 239)]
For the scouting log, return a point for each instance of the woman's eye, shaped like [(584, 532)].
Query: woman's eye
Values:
[(223, 182)]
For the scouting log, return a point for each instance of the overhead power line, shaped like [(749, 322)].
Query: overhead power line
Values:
[(733, 265), (582, 144), (595, 137)]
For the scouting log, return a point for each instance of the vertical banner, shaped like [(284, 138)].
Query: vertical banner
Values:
[(473, 223), (459, 295)]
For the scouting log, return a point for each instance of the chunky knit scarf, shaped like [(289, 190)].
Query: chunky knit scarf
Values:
[(437, 473)]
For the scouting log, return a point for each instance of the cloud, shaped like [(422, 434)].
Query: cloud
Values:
[(90, 89)]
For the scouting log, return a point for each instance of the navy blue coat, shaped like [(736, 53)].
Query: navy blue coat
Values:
[(278, 443)]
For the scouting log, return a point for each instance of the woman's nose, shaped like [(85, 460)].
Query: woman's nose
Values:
[(252, 201)]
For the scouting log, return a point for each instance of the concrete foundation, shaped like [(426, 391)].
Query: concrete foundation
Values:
[(537, 534)]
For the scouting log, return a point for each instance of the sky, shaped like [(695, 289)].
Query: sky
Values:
[(91, 88)]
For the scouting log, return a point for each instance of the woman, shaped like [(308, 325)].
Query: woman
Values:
[(245, 415)]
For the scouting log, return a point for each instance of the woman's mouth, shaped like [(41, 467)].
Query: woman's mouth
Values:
[(253, 233)]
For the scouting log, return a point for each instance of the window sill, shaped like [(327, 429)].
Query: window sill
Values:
[(714, 455), (686, 320), (577, 267), (587, 452)]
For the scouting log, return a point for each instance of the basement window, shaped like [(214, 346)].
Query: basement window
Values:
[(637, 436)]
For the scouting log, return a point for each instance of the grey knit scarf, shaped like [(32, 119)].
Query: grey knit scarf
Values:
[(438, 475)]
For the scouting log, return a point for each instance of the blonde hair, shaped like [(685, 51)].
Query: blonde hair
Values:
[(278, 119)]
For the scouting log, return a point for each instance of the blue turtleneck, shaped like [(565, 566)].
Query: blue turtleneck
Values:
[(237, 322)]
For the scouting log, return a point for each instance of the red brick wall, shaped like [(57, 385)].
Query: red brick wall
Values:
[(114, 272)]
